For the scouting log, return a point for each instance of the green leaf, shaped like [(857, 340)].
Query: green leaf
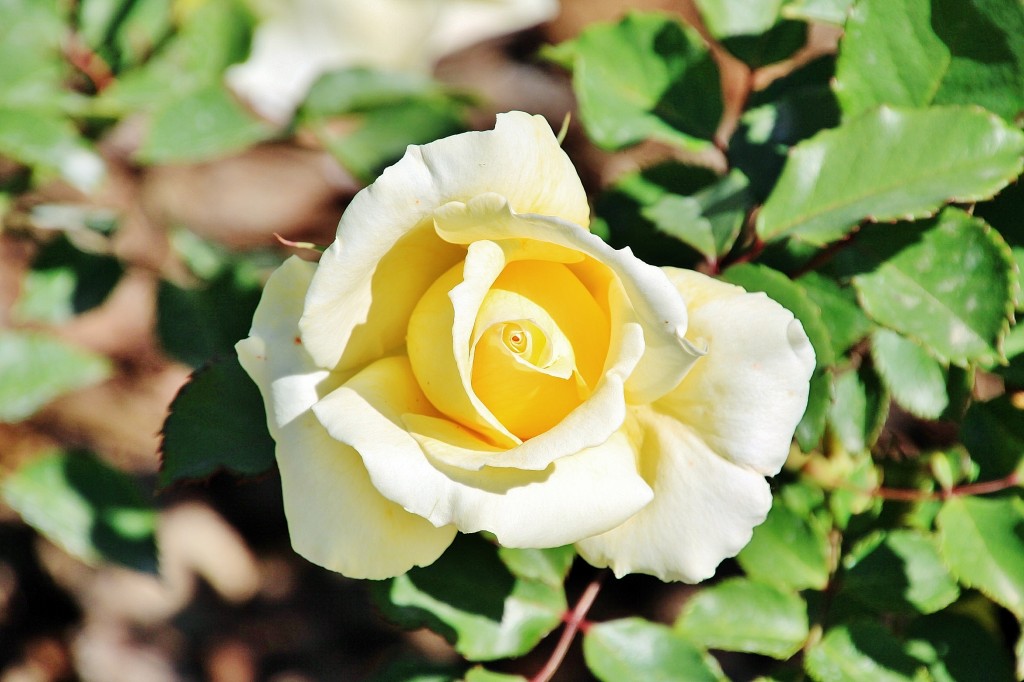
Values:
[(918, 52), (361, 89), (863, 651), (788, 551), (792, 296), (204, 124), (480, 674), (195, 325), (30, 50), (812, 425), (636, 649), (846, 322), (742, 615), (549, 566), (90, 509), (216, 422), (708, 220), (899, 571), (409, 669), (969, 652), (859, 409), (479, 603), (752, 30), (982, 540), (37, 368), (780, 42), (993, 432), (635, 80), (948, 283), (823, 11), (916, 380), (884, 165), (382, 134), (45, 138)]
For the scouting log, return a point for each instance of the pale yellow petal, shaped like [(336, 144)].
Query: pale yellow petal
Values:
[(333, 511), (746, 396), (596, 488), (704, 509)]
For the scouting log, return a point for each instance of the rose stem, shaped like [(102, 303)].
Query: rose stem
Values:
[(573, 622)]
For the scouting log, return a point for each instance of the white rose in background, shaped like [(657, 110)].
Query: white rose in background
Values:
[(467, 356), (298, 40)]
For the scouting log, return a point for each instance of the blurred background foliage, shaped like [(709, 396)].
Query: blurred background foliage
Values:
[(856, 160)]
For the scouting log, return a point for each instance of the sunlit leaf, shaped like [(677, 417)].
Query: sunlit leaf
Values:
[(742, 615), (92, 510), (884, 165), (477, 601), (916, 380), (635, 80), (919, 52), (859, 409), (982, 540), (636, 649), (863, 651), (788, 551), (37, 368)]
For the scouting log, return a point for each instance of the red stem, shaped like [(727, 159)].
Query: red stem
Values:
[(574, 621), (985, 487)]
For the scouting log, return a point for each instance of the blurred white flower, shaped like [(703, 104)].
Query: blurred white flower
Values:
[(298, 40)]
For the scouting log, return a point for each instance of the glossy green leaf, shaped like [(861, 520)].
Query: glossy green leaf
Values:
[(900, 571), (30, 50), (859, 409), (846, 322), (37, 368), (884, 165), (916, 380), (636, 649), (993, 432), (948, 283), (709, 220), (635, 80), (725, 18), (89, 508), (823, 11), (204, 124), (549, 566), (216, 422), (982, 540), (742, 615), (863, 651), (792, 296), (918, 52), (361, 89), (788, 550), (477, 601)]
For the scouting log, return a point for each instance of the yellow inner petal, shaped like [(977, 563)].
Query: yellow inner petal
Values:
[(541, 342)]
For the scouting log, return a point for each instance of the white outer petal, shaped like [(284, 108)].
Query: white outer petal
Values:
[(704, 509), (520, 159), (334, 513), (746, 396), (577, 496)]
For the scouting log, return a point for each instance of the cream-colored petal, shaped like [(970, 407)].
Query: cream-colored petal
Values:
[(464, 22), (704, 509), (334, 513), (363, 293), (657, 305), (746, 396), (593, 489)]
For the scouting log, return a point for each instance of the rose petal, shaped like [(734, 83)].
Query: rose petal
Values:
[(363, 292), (334, 513), (657, 304), (746, 396), (704, 508), (577, 496)]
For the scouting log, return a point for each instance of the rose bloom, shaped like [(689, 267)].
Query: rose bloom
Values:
[(296, 41), (467, 356)]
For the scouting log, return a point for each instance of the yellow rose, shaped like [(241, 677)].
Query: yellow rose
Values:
[(467, 356)]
